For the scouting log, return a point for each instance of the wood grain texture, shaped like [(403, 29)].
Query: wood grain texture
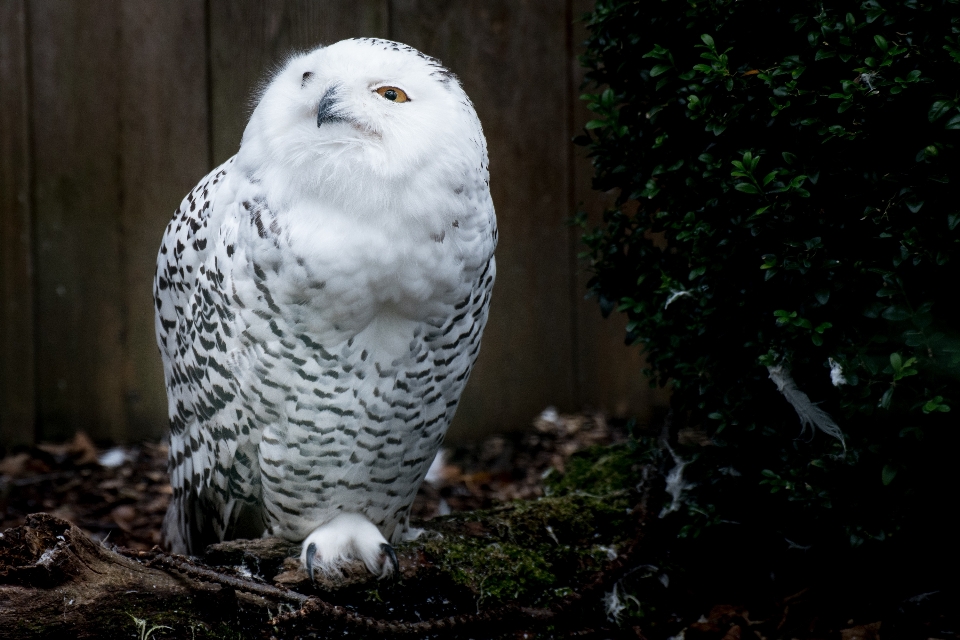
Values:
[(512, 60), (110, 112), (16, 260), (609, 373), (164, 150), (249, 38), (80, 323)]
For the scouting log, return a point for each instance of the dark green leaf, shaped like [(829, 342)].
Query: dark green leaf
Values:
[(888, 474), (940, 109), (896, 313), (914, 206), (896, 361), (887, 398), (657, 52), (660, 69), (913, 338)]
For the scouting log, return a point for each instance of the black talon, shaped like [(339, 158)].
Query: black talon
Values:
[(392, 557), (311, 554)]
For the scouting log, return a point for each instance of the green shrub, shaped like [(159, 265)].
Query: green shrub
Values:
[(795, 165)]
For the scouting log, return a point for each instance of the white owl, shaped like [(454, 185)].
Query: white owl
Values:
[(320, 301)]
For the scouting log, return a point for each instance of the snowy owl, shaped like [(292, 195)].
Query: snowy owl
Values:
[(320, 299)]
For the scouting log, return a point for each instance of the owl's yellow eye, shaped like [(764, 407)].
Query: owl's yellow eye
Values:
[(393, 94)]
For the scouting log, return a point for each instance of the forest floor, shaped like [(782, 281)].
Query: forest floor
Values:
[(120, 495)]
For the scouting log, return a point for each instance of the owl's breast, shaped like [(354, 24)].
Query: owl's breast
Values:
[(337, 278)]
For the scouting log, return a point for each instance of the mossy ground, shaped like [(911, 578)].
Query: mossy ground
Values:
[(601, 470), (536, 552)]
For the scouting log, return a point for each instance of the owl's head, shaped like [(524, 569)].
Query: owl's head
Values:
[(366, 112)]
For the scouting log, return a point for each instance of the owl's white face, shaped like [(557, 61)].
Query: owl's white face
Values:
[(364, 112)]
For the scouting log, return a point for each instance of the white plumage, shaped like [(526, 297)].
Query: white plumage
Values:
[(320, 302)]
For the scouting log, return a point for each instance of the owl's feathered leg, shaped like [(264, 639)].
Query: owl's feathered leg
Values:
[(348, 536), (405, 532)]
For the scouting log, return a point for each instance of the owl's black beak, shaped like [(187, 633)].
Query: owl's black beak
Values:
[(328, 111)]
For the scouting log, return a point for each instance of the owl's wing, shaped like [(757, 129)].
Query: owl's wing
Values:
[(211, 471)]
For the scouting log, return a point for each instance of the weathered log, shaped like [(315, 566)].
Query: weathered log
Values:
[(485, 574), (56, 582)]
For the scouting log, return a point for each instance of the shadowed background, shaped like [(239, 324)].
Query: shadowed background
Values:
[(111, 111)]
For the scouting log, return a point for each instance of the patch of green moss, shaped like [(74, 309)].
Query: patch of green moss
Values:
[(531, 551), (575, 519), (494, 569), (598, 470)]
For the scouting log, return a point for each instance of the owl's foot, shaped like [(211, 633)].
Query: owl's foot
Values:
[(347, 537)]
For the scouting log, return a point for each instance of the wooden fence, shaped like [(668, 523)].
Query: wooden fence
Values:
[(111, 110)]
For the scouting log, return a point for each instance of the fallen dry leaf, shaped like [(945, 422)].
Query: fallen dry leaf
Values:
[(861, 632), (733, 633)]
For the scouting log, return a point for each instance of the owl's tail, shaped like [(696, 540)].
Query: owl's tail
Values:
[(193, 522)]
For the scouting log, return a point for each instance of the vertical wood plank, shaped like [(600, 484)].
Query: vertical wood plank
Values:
[(16, 278), (164, 151), (512, 59), (80, 318), (610, 373), (132, 103), (249, 38)]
